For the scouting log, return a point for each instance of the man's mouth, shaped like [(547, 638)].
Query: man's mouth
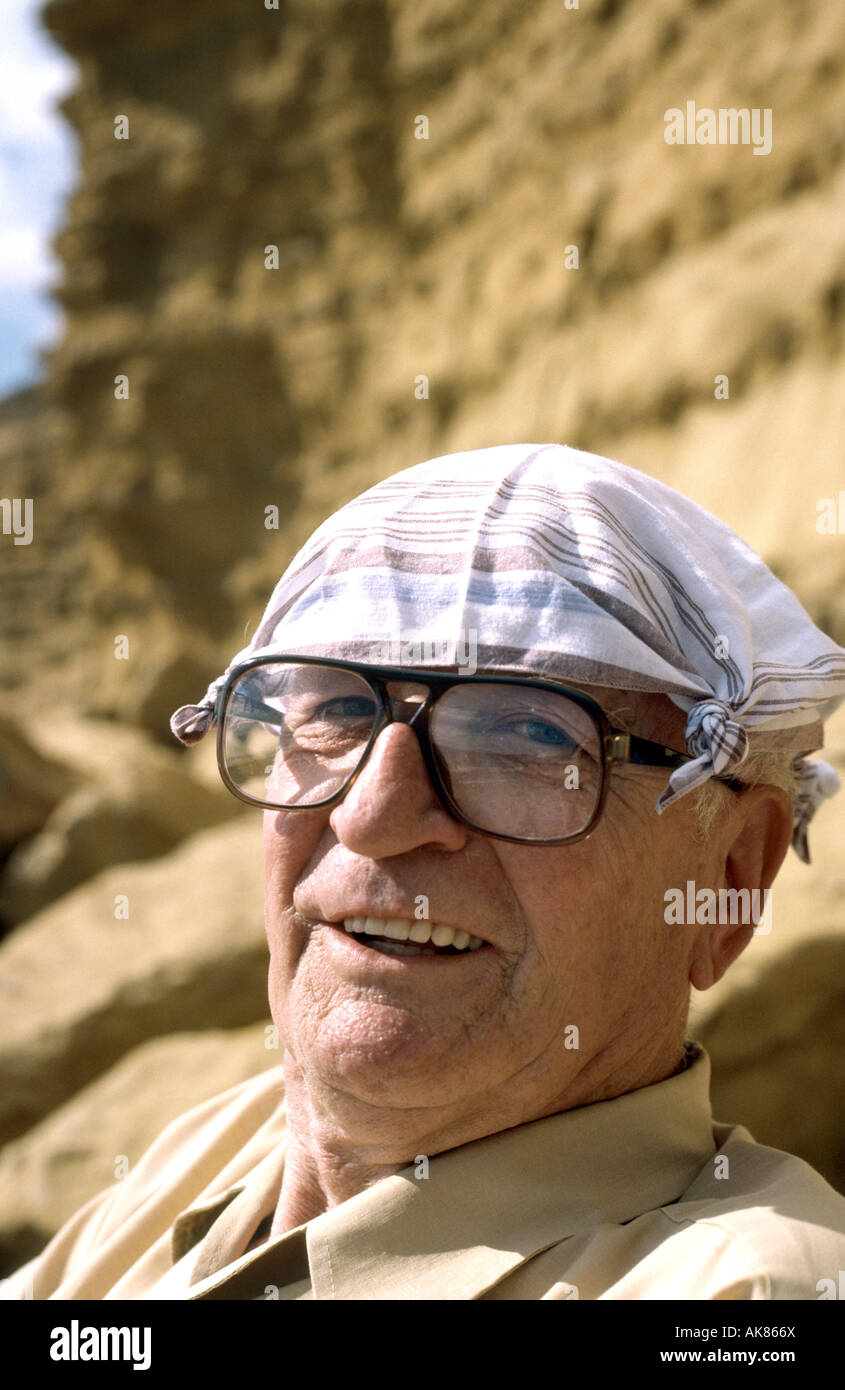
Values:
[(402, 936)]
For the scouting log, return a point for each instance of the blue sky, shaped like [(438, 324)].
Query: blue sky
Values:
[(37, 171)]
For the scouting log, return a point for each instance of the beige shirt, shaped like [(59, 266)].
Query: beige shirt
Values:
[(640, 1197)]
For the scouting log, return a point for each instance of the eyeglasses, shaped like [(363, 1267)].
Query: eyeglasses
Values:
[(520, 759)]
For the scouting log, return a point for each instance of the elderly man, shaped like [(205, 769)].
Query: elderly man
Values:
[(500, 711)]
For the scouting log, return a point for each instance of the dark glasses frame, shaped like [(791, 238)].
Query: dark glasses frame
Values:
[(615, 746)]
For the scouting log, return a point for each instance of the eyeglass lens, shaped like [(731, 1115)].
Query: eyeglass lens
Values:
[(515, 760)]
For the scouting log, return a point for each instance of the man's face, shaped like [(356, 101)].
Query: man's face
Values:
[(576, 939)]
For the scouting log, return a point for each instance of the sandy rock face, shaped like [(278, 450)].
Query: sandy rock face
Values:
[(778, 1046), (31, 786), (346, 245), (137, 807), (97, 1136), (139, 951)]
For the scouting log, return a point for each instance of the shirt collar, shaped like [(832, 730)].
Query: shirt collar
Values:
[(485, 1207)]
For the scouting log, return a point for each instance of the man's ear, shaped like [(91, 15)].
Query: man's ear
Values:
[(761, 833)]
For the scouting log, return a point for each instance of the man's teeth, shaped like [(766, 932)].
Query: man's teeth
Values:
[(405, 929)]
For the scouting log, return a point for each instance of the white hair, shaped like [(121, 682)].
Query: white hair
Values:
[(771, 769)]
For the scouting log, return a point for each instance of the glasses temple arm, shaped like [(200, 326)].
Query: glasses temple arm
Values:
[(628, 748), (255, 709)]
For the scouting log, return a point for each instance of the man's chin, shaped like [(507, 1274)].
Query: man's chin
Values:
[(379, 1054)]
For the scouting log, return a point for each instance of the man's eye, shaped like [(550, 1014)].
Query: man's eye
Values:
[(345, 707), (341, 713), (539, 731)]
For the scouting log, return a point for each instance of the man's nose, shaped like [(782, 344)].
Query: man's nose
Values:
[(392, 807)]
